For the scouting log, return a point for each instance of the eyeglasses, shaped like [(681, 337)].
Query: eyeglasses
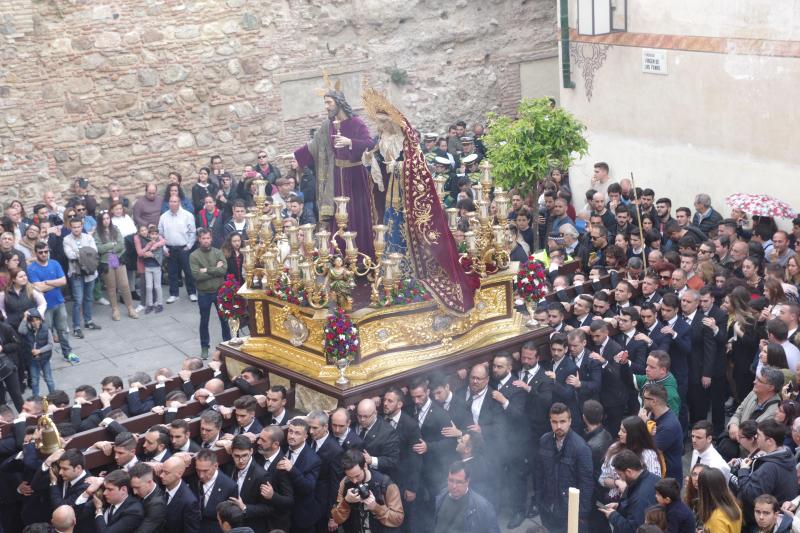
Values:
[(665, 277), (262, 156)]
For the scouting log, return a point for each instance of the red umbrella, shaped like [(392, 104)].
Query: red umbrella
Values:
[(761, 205)]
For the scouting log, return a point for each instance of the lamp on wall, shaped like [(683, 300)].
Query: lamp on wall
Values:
[(597, 17)]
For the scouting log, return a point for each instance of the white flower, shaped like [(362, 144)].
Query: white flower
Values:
[(342, 337), (355, 342)]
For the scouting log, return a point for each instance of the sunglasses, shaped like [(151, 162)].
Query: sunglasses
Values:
[(262, 156)]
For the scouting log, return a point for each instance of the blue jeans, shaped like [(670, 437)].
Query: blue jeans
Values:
[(177, 262), (41, 365), (81, 291), (57, 318), (205, 300)]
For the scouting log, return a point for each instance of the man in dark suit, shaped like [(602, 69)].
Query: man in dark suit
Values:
[(381, 444), (183, 511), (651, 331), (614, 394), (438, 438), (275, 402), (589, 378), (179, 437), (650, 294), (342, 432), (560, 368), (152, 497), (244, 408), (513, 401), (302, 465), (703, 359), (680, 349), (124, 513), (67, 487), (539, 392), (330, 472), (211, 488), (277, 486), (637, 348), (581, 312), (410, 463), (717, 321), (155, 445), (248, 476)]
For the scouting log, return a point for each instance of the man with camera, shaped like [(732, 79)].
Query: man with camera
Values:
[(367, 499)]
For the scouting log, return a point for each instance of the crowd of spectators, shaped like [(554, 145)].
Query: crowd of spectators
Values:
[(673, 329)]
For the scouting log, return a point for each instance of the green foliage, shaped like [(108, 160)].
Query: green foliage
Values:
[(523, 150), (398, 76)]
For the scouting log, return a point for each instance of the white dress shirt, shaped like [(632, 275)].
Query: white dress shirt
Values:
[(477, 403), (208, 487), (712, 458)]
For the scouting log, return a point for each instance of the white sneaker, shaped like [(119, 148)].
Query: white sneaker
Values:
[(139, 308), (172, 299), (193, 297), (103, 301)]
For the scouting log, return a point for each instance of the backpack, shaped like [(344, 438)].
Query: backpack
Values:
[(88, 260)]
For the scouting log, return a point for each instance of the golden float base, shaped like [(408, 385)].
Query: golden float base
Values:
[(397, 342)]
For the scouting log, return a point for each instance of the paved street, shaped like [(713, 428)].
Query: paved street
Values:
[(121, 348)]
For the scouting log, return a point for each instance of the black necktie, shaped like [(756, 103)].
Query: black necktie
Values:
[(363, 433), (314, 445), (289, 455), (525, 376)]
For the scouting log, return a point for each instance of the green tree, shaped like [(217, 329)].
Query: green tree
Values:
[(522, 150)]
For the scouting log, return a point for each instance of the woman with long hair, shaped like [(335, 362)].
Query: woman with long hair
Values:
[(19, 296), (751, 270), (111, 247), (202, 188), (692, 496), (793, 271), (719, 512), (231, 249), (746, 332), (775, 295), (774, 355), (788, 411), (174, 189), (634, 436), (9, 261)]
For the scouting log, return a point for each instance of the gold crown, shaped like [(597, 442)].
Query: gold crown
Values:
[(376, 103)]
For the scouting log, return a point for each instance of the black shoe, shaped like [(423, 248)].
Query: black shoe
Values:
[(533, 511), (92, 325), (77, 333), (135, 296), (516, 520)]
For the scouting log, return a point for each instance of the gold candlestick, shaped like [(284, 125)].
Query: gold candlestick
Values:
[(307, 233), (341, 216), (294, 241), (379, 241), (323, 244), (452, 218)]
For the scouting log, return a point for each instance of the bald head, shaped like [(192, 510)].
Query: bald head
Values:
[(63, 518), (367, 412), (215, 386)]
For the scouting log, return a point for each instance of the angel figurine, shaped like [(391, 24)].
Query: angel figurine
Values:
[(340, 284)]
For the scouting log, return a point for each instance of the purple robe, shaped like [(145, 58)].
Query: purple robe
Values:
[(340, 173)]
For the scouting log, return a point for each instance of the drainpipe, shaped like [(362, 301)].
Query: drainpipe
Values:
[(565, 64)]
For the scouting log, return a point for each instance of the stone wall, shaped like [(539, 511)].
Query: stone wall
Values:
[(128, 90)]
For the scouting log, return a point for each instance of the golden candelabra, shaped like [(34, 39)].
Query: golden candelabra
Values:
[(305, 258)]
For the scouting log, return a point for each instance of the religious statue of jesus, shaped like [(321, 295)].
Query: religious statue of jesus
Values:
[(336, 151)]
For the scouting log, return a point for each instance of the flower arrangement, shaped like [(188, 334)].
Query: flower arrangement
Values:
[(282, 288), (229, 303), (341, 337), (407, 291), (529, 283)]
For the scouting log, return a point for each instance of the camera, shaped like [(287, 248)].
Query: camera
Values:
[(363, 490)]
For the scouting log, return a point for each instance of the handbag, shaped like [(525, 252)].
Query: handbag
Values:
[(113, 260)]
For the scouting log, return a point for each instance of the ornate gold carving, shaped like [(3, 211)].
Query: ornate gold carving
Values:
[(289, 323), (260, 318)]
